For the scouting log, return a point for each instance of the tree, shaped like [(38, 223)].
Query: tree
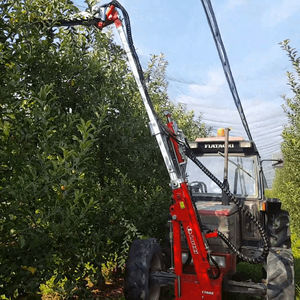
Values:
[(80, 174), (287, 179)]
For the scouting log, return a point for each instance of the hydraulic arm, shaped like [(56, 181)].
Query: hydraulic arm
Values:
[(169, 140)]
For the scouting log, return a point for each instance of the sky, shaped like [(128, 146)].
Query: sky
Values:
[(251, 31)]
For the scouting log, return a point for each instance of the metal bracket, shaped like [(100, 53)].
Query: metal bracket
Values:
[(162, 278), (242, 287)]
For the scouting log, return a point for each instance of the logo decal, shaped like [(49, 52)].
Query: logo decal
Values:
[(192, 239), (207, 292), (217, 146)]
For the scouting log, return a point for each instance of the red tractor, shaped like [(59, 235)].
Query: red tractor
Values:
[(211, 230)]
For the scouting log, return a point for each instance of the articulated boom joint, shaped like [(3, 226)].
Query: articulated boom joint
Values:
[(107, 16)]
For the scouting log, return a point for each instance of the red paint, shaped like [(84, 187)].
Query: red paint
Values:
[(118, 23), (112, 16), (100, 25), (199, 286), (174, 143), (110, 12), (212, 235)]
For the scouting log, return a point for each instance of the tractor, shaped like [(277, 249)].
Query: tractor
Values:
[(230, 235)]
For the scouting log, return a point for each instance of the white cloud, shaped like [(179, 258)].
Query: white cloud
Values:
[(266, 120), (214, 83), (280, 12)]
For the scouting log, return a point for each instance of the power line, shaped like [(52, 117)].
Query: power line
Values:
[(225, 62)]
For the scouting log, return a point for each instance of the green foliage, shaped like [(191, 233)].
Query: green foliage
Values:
[(287, 181), (80, 174)]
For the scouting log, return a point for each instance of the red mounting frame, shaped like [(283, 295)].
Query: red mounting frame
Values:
[(199, 285)]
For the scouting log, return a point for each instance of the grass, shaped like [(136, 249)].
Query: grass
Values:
[(245, 271), (296, 252)]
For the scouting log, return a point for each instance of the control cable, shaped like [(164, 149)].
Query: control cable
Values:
[(211, 18)]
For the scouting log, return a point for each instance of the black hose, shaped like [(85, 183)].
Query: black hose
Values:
[(133, 51), (211, 272)]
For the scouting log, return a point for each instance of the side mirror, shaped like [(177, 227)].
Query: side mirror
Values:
[(277, 163)]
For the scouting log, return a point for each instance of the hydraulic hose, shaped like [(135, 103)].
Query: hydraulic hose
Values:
[(133, 51)]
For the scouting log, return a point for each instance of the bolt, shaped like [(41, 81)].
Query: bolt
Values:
[(174, 217)]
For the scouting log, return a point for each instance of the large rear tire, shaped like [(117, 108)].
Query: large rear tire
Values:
[(280, 274), (143, 259)]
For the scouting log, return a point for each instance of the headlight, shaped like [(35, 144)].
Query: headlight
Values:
[(193, 145), (184, 257), (220, 260), (245, 144)]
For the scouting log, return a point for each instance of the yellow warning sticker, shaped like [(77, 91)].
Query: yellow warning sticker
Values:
[(182, 206)]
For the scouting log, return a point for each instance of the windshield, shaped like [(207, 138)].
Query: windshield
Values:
[(241, 175)]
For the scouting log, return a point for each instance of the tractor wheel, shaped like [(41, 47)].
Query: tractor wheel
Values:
[(144, 257), (278, 227), (280, 274)]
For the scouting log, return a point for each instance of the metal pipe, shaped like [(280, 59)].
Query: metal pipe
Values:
[(226, 131), (225, 200), (171, 238), (179, 286)]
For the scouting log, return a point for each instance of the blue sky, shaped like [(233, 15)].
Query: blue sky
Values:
[(251, 31)]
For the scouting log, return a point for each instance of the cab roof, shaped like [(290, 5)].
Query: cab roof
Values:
[(213, 145), (219, 138)]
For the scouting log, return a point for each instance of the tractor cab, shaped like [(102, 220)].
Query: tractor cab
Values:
[(236, 163), (242, 174)]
